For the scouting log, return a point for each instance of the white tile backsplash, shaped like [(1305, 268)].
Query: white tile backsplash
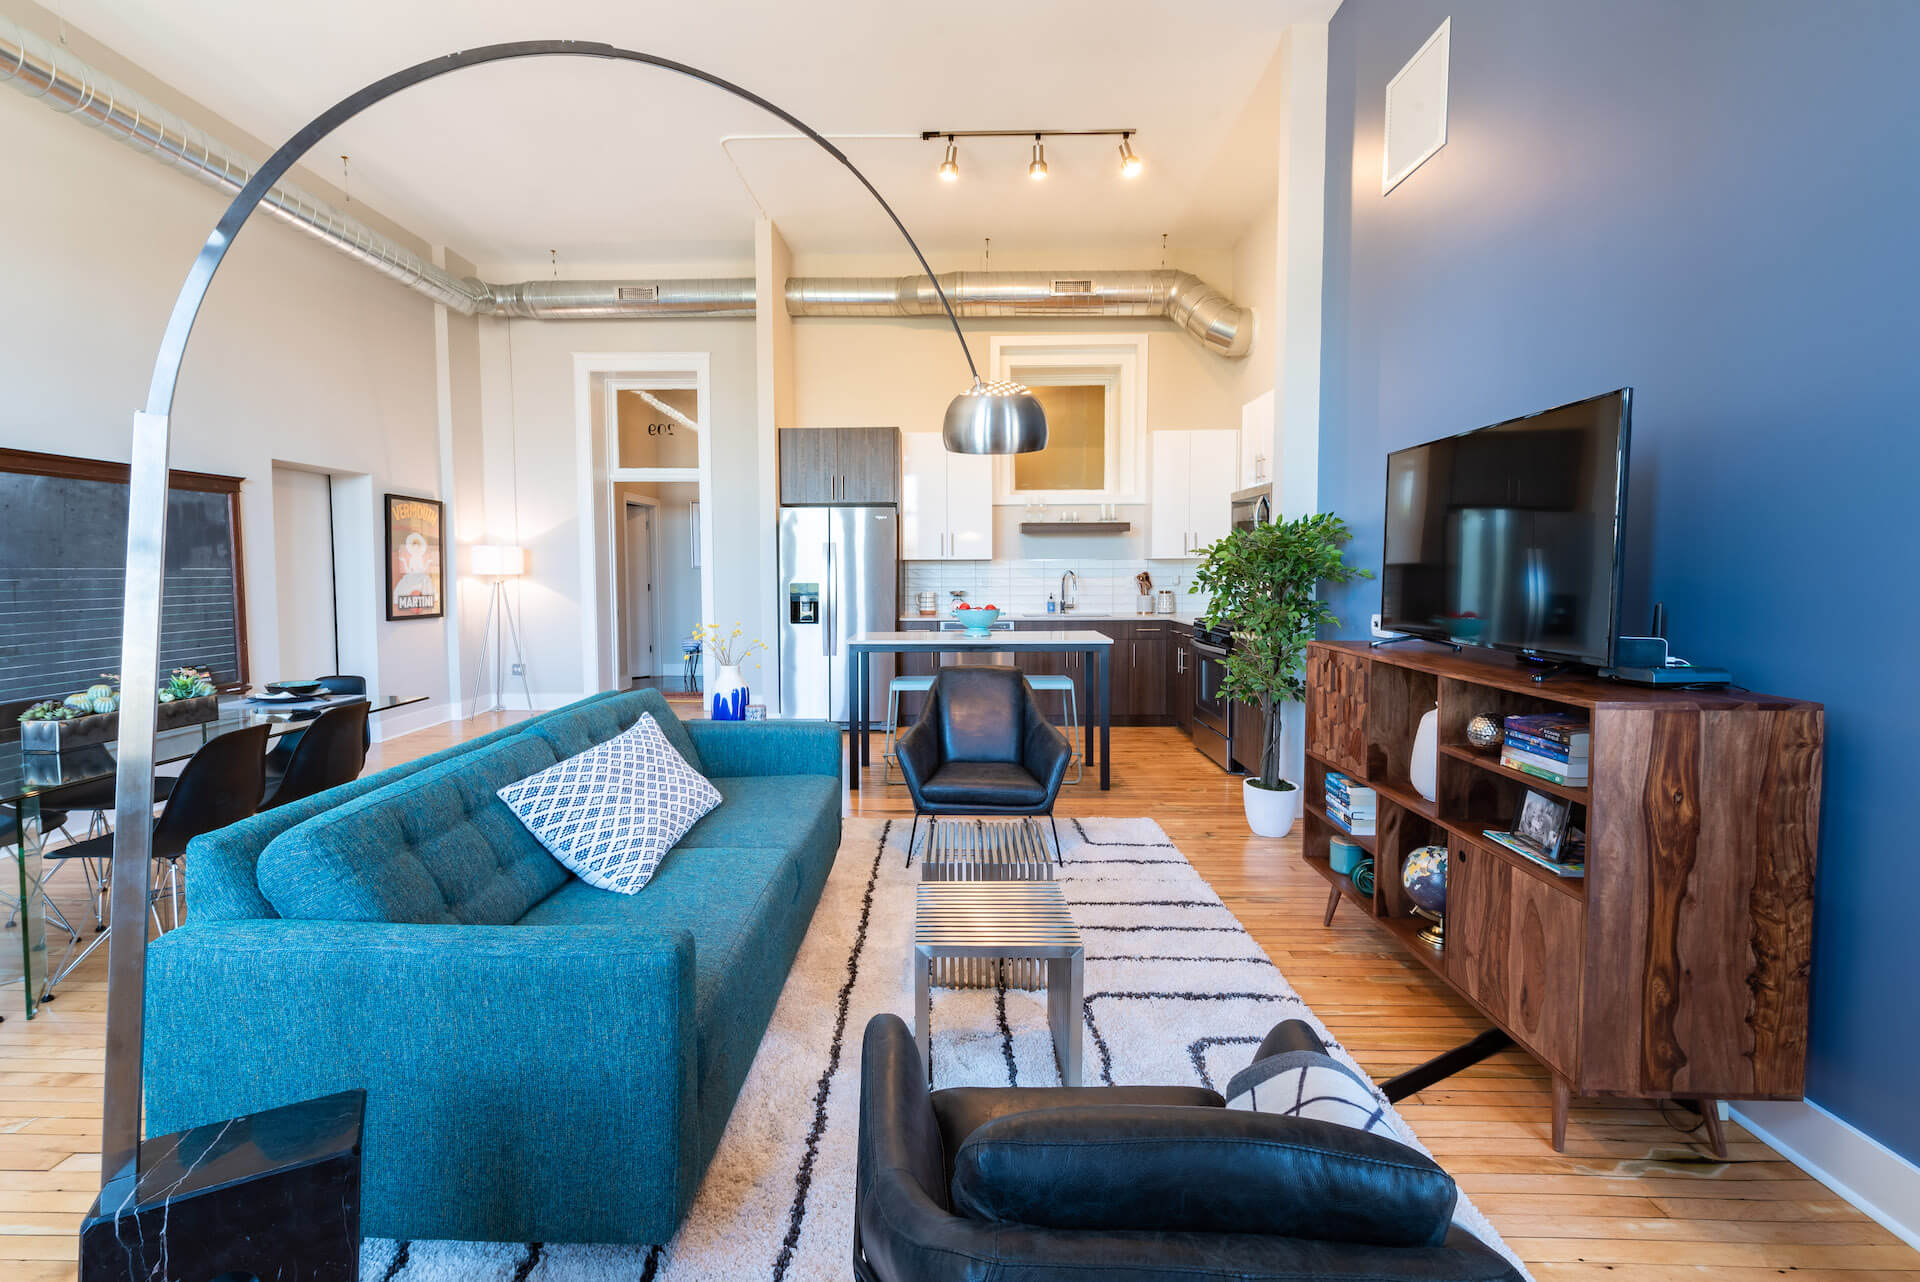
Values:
[(1022, 587)]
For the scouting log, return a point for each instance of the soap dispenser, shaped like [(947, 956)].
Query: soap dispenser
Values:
[(1052, 605)]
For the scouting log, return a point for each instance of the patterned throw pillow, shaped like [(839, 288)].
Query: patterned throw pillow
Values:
[(1310, 1084), (612, 812)]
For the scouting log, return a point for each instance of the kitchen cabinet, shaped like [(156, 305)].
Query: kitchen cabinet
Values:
[(946, 502), (854, 465), (1137, 669), (1146, 667), (1256, 441), (1180, 676), (1194, 475)]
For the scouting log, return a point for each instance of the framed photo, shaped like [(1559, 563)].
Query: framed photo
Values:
[(1542, 823), (416, 558)]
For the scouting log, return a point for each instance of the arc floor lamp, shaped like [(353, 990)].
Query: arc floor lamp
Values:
[(987, 418)]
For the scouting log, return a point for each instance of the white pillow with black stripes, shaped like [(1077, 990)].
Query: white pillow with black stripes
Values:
[(1312, 1084)]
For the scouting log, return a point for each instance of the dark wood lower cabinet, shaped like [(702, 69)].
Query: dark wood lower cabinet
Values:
[(1180, 677)]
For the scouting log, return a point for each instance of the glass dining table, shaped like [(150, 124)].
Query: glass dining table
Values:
[(26, 777)]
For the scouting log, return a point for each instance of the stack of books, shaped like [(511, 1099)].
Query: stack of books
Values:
[(1572, 861), (1350, 805), (1554, 747)]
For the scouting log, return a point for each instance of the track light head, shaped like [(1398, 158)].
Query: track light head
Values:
[(1129, 163), (950, 167), (1038, 169)]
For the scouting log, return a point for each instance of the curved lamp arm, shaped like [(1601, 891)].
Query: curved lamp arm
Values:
[(146, 540)]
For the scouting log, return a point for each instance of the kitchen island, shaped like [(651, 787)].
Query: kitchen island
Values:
[(1098, 702)]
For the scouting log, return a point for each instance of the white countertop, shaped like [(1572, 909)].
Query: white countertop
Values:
[(1092, 616), (923, 639)]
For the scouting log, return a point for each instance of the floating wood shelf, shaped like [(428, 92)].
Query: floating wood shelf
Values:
[(1075, 527)]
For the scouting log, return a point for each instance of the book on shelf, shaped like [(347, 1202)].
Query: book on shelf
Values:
[(1570, 732), (1576, 866), (1545, 747), (1566, 774)]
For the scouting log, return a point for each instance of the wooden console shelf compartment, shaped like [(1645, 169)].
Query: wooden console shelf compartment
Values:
[(1678, 966)]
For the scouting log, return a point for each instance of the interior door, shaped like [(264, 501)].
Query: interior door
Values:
[(303, 559), (639, 593), (969, 506), (1170, 536), (1213, 464), (924, 510)]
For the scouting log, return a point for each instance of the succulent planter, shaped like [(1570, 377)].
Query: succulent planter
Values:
[(63, 736), (189, 712)]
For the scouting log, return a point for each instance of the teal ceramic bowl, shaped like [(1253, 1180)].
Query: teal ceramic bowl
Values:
[(978, 622)]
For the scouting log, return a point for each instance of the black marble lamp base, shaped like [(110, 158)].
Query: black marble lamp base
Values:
[(269, 1197)]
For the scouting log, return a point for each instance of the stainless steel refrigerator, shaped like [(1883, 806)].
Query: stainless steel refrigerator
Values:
[(839, 577)]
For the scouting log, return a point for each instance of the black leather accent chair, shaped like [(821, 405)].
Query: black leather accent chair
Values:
[(982, 746), (1029, 1185)]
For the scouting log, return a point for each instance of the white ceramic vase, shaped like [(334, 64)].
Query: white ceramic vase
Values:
[(729, 700), (1423, 768), (1270, 813)]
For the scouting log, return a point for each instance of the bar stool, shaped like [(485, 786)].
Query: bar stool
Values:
[(912, 685), (1064, 684)]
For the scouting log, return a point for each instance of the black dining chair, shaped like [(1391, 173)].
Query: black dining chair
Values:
[(51, 820), (222, 784), (282, 751), (982, 746), (330, 752)]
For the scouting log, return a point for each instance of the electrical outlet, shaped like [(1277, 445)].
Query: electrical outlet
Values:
[(1381, 632), (519, 669)]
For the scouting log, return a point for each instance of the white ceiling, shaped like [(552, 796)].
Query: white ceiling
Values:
[(610, 163)]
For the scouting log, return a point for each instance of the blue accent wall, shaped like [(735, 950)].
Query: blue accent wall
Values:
[(1716, 202)]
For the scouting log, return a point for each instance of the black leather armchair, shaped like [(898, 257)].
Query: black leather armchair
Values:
[(982, 746), (1027, 1185)]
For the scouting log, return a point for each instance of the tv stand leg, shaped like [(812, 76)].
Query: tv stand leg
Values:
[(1333, 902), (1562, 1100), (1716, 1129)]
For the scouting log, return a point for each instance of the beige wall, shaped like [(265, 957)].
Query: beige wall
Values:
[(298, 355)]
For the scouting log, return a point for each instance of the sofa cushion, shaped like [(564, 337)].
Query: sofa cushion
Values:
[(612, 812), (984, 783), (771, 810), (1200, 1170), (573, 731), (435, 846)]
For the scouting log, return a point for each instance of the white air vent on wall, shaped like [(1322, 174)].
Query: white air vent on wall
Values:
[(1416, 124), (1072, 286), (639, 293)]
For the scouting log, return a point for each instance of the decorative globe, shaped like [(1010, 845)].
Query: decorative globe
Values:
[(1484, 732), (1424, 876)]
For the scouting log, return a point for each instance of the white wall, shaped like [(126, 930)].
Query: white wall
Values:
[(303, 571), (298, 355), (527, 414)]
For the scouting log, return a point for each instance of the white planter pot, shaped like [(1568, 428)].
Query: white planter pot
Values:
[(730, 695), (1270, 814)]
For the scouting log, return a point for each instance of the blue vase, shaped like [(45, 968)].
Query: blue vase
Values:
[(730, 694)]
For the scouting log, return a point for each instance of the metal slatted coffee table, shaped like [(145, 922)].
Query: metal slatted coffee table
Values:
[(1001, 920), (986, 850)]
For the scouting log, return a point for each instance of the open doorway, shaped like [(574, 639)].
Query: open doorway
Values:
[(660, 582)]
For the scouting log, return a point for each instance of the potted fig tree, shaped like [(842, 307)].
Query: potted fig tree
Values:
[(1263, 582)]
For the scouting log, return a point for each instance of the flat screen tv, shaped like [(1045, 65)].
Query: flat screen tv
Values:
[(1509, 536)]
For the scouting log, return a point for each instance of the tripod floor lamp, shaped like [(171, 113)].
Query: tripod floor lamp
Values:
[(498, 563)]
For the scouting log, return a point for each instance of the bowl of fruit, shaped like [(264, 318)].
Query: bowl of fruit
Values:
[(978, 620)]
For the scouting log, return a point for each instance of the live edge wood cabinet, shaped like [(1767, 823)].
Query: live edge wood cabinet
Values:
[(1678, 967)]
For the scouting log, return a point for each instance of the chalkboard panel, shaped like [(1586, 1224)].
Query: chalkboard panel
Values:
[(63, 547)]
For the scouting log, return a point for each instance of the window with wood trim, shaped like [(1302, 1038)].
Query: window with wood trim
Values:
[(63, 548)]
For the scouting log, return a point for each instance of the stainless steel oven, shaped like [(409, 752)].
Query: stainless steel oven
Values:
[(1212, 710)]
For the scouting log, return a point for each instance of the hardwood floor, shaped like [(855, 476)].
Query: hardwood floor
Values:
[(1631, 1198)]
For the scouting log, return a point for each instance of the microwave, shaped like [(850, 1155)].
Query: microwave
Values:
[(1252, 507)]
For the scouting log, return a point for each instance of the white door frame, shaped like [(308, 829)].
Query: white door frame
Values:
[(597, 457), (653, 571)]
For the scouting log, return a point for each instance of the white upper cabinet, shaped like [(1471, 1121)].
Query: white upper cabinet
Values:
[(1194, 476), (946, 502), (1256, 441)]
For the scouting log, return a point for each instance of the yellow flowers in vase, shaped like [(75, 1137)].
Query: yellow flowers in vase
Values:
[(730, 694)]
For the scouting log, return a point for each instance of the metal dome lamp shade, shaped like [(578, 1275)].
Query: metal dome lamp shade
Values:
[(995, 418), (984, 419)]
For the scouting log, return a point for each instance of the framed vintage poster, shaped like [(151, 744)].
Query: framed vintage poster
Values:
[(416, 558)]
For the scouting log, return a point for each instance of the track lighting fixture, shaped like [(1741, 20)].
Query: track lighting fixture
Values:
[(1130, 164)]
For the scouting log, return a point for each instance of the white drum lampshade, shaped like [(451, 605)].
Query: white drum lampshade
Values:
[(496, 561)]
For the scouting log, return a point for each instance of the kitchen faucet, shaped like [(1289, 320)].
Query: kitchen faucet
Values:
[(1066, 599)]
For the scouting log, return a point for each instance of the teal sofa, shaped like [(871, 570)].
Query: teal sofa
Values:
[(543, 1060)]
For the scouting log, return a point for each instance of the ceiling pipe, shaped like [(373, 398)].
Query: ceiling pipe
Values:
[(55, 75)]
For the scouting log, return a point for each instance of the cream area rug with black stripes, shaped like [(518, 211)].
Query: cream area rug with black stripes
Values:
[(1176, 992)]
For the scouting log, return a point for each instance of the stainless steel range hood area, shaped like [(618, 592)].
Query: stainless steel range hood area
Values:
[(57, 77)]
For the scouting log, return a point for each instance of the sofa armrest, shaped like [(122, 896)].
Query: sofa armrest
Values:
[(733, 748), (492, 1057)]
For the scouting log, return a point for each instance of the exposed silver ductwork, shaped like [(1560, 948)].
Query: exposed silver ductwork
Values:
[(1221, 325), (59, 78)]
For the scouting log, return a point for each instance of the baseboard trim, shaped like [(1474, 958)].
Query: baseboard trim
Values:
[(404, 721), (1843, 1157)]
